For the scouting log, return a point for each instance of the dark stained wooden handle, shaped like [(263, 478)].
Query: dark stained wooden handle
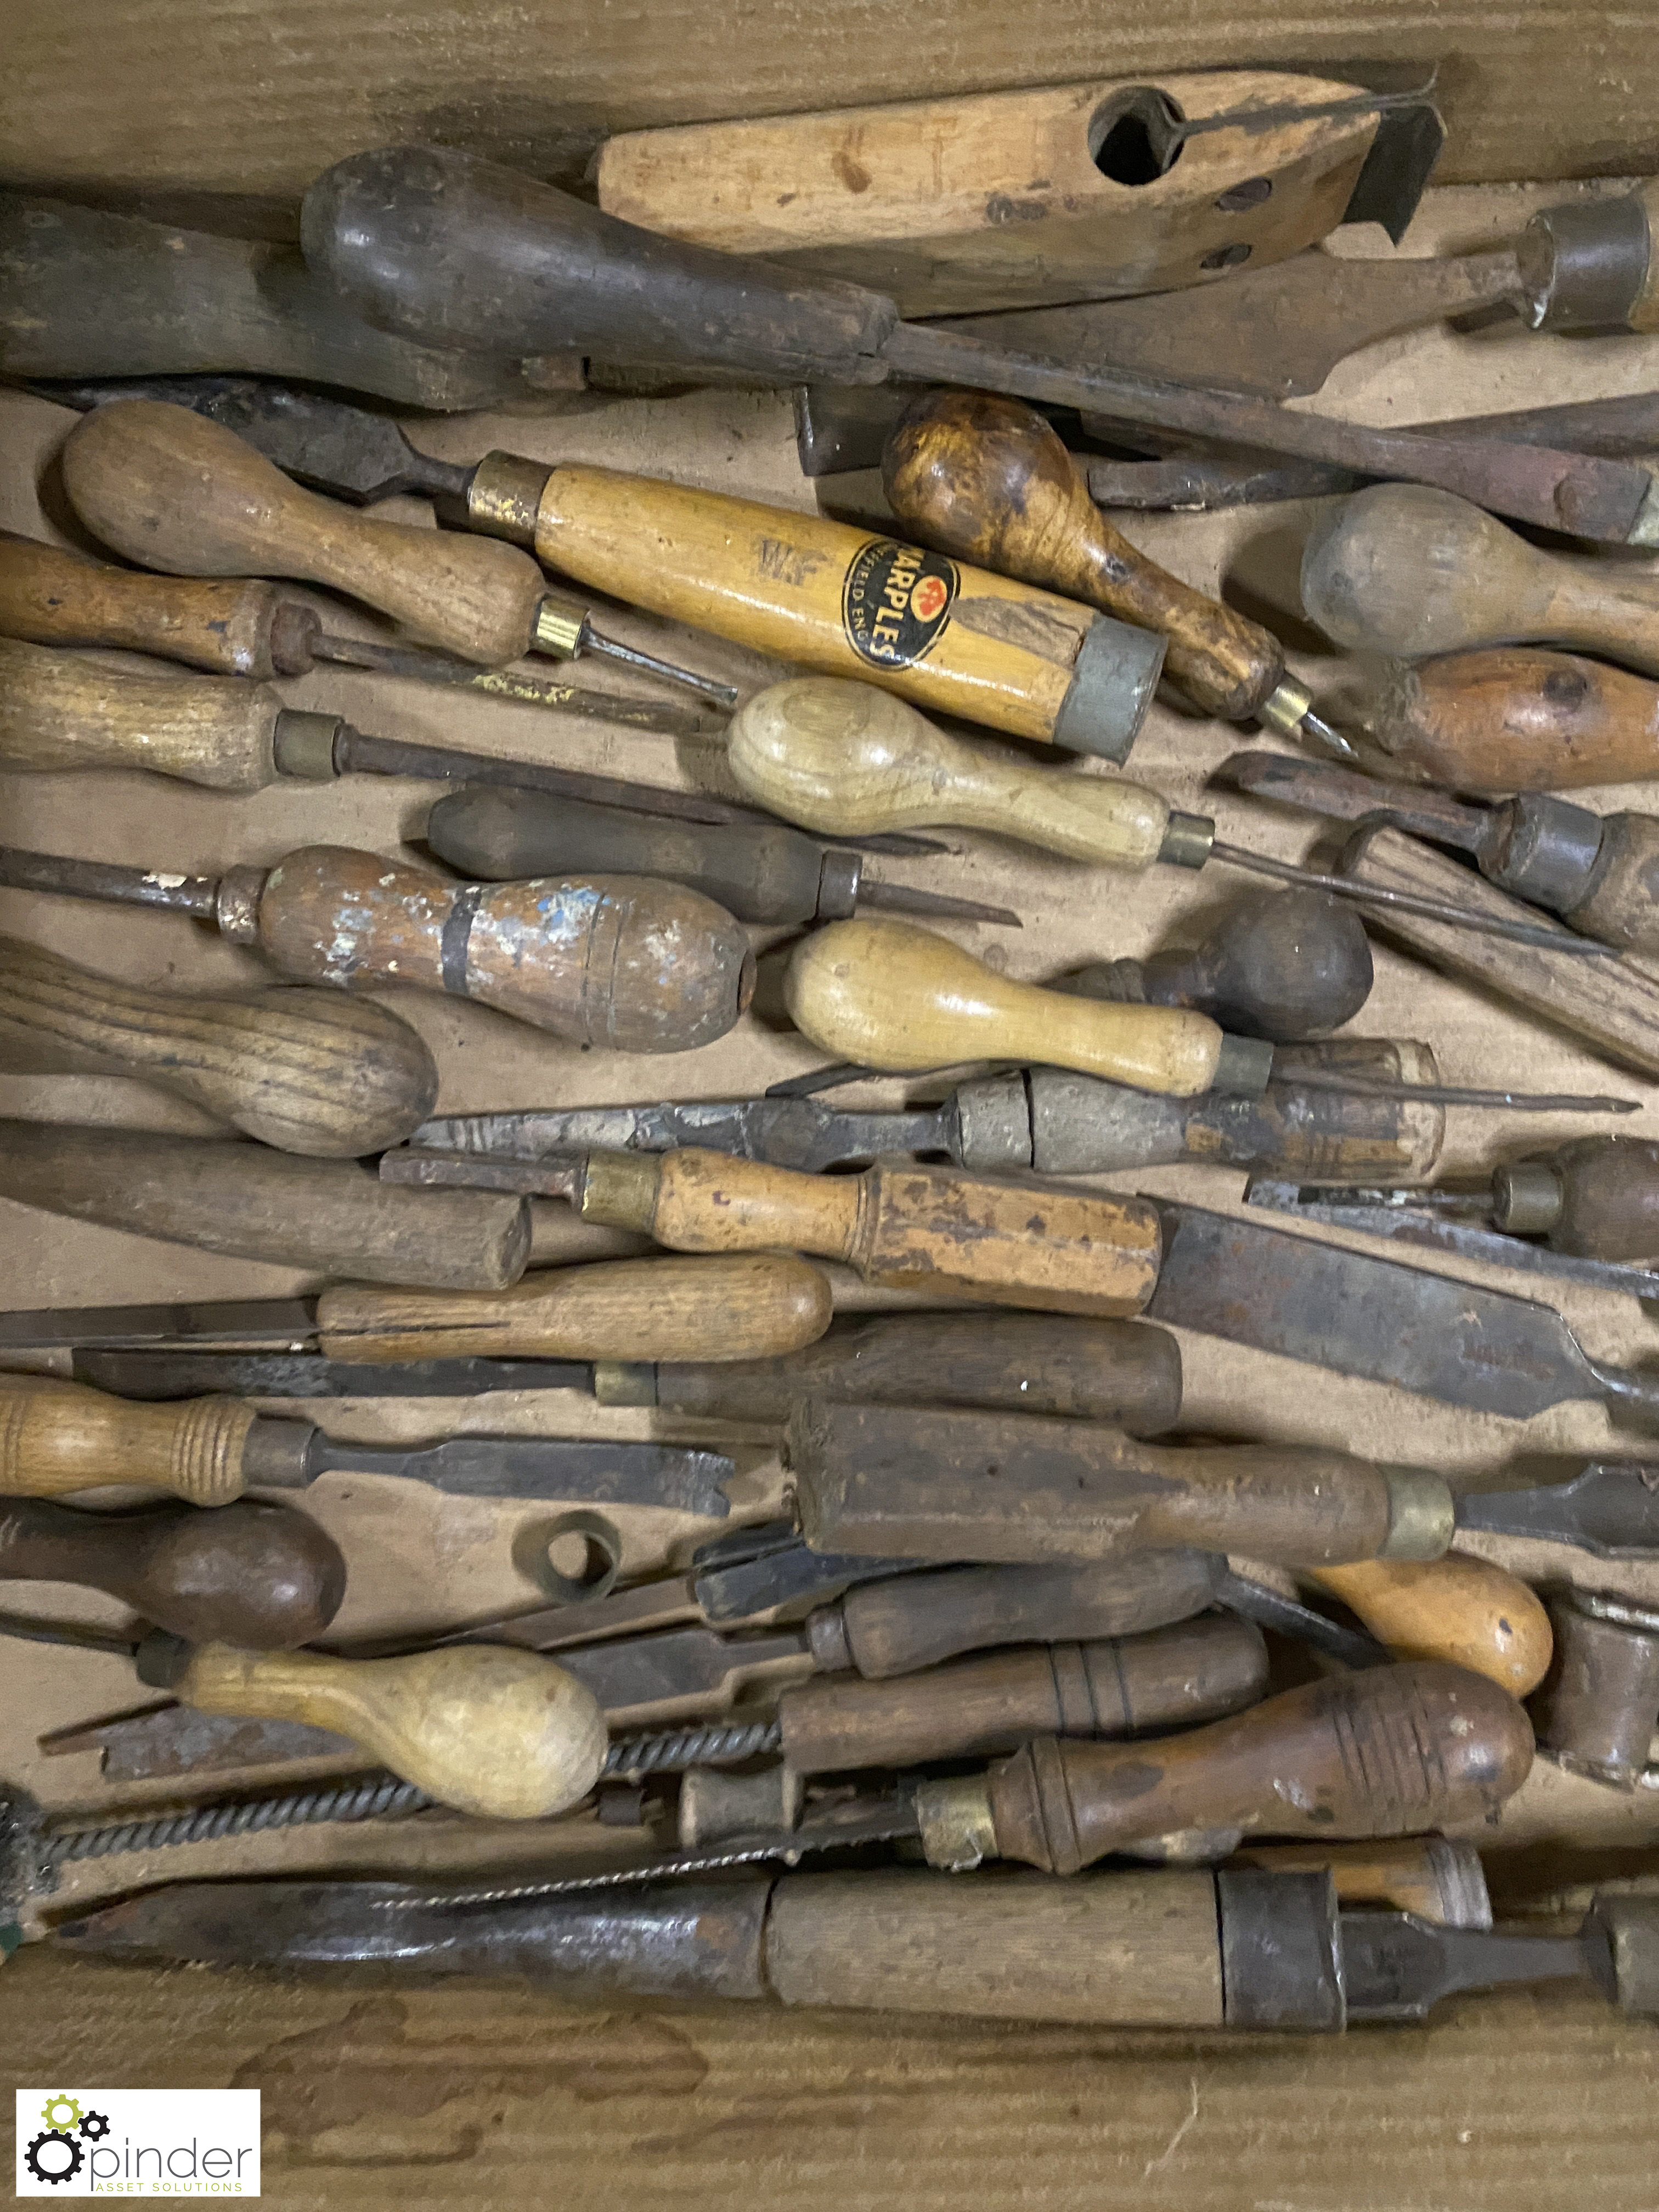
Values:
[(987, 479), (619, 962), (1609, 1198), (1516, 718), (1389, 1752), (1101, 1371), (995, 1701), (248, 1573), (58, 598)]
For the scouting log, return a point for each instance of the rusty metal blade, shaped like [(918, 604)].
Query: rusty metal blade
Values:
[(1611, 1509)]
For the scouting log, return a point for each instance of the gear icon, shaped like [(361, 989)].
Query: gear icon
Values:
[(54, 2174), (94, 2127), (52, 2111)]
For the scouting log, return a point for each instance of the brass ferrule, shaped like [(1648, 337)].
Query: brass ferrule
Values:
[(1422, 1514), (236, 904), (560, 632), (505, 496), (1285, 706), (955, 1820), (620, 1189)]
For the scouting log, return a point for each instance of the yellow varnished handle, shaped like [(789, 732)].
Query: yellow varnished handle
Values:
[(846, 760), (57, 1436), (1457, 1608), (508, 1736), (884, 994)]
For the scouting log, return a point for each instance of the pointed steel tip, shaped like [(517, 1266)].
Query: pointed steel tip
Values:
[(1329, 740)]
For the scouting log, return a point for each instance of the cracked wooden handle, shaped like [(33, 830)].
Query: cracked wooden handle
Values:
[(61, 710), (172, 490)]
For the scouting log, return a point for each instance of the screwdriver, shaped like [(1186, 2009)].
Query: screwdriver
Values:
[(451, 250), (248, 628), (164, 487), (579, 959), (1595, 871), (308, 1071), (757, 873), (988, 479), (262, 1576), (1514, 720), (843, 758)]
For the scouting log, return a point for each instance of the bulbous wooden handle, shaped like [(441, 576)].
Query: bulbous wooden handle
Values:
[(987, 478), (739, 1307), (508, 1736), (848, 760), (1385, 1752), (1515, 719), (262, 1576), (61, 710), (1406, 570), (884, 994), (171, 489), (58, 598), (1460, 1609), (305, 1071), (621, 962), (56, 1437)]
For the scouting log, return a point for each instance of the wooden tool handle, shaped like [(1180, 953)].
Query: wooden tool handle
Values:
[(1611, 1004), (988, 479), (886, 1482), (739, 1307), (1281, 964), (1103, 1371), (846, 760), (58, 598), (884, 994), (1460, 1609), (305, 1071), (1516, 720), (57, 1437), (995, 1701), (262, 1574), (61, 710), (330, 1217), (619, 962), (508, 1736), (1382, 1753), (1436, 1879), (1609, 1198), (896, 1625), (1406, 570), (1620, 906), (170, 489)]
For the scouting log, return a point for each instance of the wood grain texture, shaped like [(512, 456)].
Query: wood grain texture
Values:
[(615, 961), (56, 1437), (1423, 1875), (61, 710), (884, 994), (170, 489), (308, 1071), (1460, 1609), (987, 479), (1409, 571), (506, 1735), (1389, 1752), (331, 1217), (1621, 906), (737, 1307), (846, 759), (1613, 1004), (55, 597), (1609, 1190), (1516, 720)]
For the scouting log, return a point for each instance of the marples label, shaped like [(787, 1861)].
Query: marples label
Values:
[(896, 601)]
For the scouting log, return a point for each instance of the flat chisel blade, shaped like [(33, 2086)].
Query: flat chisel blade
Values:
[(787, 1133), (597, 1472), (289, 1323), (158, 1376), (1610, 1510)]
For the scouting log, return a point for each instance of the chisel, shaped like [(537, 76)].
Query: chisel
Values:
[(309, 1072), (759, 872), (1596, 872), (1514, 720), (579, 958), (843, 758), (451, 249), (167, 487)]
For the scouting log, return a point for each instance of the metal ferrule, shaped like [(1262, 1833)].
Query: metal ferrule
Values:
[(236, 904), (624, 1383), (827, 1641), (505, 496), (1548, 851), (1188, 839), (1526, 1199), (620, 1189), (560, 632), (1422, 1514), (839, 879), (1243, 1068), (1284, 706), (1114, 679), (1582, 267), (954, 1817), (303, 745), (993, 1121)]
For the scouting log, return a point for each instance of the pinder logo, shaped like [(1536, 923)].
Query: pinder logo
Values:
[(138, 2143)]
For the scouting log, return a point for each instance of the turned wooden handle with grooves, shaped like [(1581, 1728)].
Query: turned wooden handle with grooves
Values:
[(506, 1735), (61, 710), (1409, 571), (171, 489), (884, 994), (1516, 720), (56, 1437), (310, 1071), (260, 1575), (988, 479), (1387, 1751), (719, 1309), (885, 1482), (1462, 1610), (55, 597), (904, 1225)]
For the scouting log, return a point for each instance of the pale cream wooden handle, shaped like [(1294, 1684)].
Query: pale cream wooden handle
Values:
[(508, 1736), (57, 1437), (65, 710), (846, 760), (1458, 1608), (884, 994), (171, 489)]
